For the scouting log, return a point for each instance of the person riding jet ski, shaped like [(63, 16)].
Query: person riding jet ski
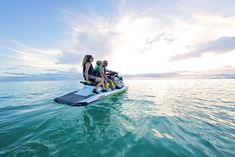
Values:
[(99, 72), (112, 76), (88, 73)]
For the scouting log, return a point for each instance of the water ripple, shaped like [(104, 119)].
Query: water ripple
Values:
[(163, 117)]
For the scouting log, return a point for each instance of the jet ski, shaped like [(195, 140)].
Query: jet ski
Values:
[(85, 95)]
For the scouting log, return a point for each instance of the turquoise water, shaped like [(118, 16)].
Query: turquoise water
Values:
[(153, 118)]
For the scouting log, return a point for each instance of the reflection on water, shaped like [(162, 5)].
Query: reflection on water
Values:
[(154, 117)]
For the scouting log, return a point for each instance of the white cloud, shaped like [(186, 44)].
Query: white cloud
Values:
[(88, 34), (144, 44), (219, 46), (141, 37), (35, 57)]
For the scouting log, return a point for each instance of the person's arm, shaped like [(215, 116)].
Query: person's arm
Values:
[(102, 73), (87, 66), (110, 71)]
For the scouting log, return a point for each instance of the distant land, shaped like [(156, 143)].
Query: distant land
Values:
[(78, 76)]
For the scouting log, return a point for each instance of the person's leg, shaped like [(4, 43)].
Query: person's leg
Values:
[(106, 83), (111, 84), (100, 83), (114, 81)]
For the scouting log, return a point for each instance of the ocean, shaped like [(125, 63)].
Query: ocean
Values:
[(173, 118)]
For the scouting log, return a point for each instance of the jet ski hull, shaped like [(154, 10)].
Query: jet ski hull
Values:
[(86, 96)]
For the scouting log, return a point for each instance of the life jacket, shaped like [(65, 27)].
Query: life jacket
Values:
[(97, 71), (90, 71)]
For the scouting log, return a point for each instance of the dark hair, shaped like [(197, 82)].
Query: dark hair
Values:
[(86, 59)]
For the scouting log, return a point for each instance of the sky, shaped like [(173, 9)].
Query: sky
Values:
[(135, 36)]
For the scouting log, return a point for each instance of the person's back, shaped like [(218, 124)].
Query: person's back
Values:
[(98, 69)]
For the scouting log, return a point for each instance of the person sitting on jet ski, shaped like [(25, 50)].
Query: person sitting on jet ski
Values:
[(99, 71), (106, 71), (88, 73), (110, 74)]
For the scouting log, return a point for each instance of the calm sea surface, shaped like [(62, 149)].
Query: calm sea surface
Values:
[(153, 118)]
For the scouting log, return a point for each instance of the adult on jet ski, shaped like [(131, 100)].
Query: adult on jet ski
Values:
[(88, 73), (110, 75), (106, 71)]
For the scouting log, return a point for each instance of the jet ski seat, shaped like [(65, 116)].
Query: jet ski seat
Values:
[(85, 83)]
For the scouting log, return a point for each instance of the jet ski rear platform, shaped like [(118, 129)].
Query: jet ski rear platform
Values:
[(72, 99)]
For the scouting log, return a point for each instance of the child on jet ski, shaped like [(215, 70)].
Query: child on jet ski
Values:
[(99, 72)]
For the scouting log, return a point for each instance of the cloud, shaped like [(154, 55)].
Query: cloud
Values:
[(29, 49), (227, 15), (34, 57), (69, 71), (22, 66), (70, 58), (155, 75), (93, 34), (154, 28), (11, 68), (219, 46), (56, 75), (17, 67), (159, 38), (17, 74), (141, 34), (227, 72)]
